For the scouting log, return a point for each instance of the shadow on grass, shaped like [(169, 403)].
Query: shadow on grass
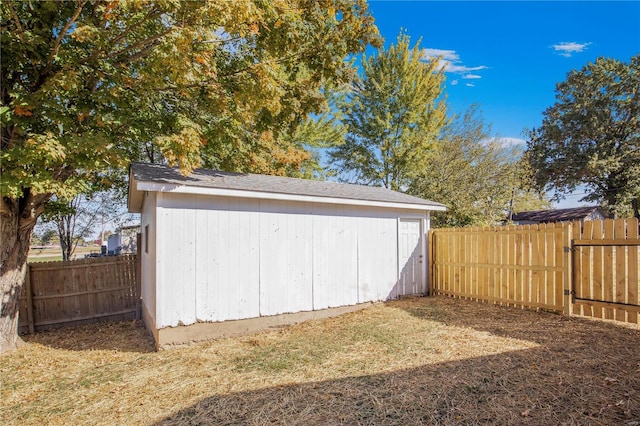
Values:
[(125, 336), (581, 372), (522, 387)]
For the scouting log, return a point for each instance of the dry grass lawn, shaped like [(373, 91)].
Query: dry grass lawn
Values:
[(414, 361)]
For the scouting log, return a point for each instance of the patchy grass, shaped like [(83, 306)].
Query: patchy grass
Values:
[(413, 361)]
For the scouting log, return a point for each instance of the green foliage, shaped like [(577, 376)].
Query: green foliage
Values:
[(47, 236), (89, 86), (393, 118), (591, 136), (478, 177)]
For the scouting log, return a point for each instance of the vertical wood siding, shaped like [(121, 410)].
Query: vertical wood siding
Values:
[(148, 255), (223, 258)]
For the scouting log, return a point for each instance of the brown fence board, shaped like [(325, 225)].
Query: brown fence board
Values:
[(632, 271), (79, 291), (597, 261), (620, 284), (607, 273)]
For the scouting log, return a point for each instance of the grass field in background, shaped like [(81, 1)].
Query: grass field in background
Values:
[(54, 253)]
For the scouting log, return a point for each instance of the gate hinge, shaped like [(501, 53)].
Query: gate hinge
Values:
[(567, 249), (569, 292)]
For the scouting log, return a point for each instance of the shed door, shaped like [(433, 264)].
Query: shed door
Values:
[(411, 257)]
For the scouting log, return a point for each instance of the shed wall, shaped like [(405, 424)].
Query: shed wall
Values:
[(227, 258), (148, 259)]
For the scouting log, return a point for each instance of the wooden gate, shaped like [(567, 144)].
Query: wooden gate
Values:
[(605, 282)]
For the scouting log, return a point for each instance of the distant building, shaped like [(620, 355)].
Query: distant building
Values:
[(129, 238), (560, 215)]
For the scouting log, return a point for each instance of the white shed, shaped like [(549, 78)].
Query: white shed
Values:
[(224, 253)]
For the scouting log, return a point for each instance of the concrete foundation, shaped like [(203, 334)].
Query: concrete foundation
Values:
[(172, 337)]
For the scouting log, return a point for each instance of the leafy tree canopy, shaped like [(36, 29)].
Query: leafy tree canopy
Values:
[(591, 136), (478, 177), (86, 86), (393, 117)]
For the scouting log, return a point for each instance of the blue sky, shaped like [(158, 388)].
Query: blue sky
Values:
[(508, 56)]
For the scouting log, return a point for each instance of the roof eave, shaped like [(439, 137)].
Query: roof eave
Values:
[(134, 195), (200, 190)]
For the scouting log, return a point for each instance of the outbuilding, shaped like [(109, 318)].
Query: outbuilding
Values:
[(226, 253)]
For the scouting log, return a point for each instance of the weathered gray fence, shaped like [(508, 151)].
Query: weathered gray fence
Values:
[(80, 292)]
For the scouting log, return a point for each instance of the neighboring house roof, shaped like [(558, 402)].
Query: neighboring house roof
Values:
[(557, 215), (156, 177)]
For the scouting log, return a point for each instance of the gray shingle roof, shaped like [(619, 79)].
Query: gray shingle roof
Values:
[(556, 215), (156, 173)]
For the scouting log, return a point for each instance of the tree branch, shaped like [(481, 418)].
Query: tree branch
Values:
[(63, 32), (142, 44), (123, 34), (234, 72), (14, 15)]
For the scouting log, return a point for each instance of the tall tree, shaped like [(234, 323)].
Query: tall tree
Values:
[(476, 175), (394, 116), (591, 136), (88, 85)]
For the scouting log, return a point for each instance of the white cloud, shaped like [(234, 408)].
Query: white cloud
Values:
[(454, 82), (470, 85), (507, 142), (449, 67), (449, 61), (568, 48), (448, 55), (513, 141)]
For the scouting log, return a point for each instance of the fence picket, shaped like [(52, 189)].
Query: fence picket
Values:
[(598, 259), (619, 287), (608, 280), (586, 278), (632, 271)]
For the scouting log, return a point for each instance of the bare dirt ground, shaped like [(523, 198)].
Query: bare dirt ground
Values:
[(415, 361)]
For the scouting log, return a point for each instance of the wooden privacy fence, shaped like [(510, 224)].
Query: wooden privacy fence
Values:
[(605, 269), (591, 271), (80, 292)]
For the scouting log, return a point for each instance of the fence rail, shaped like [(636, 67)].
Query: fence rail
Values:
[(589, 270), (79, 292)]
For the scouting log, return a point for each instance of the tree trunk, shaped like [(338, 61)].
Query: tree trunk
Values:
[(17, 219), (635, 203)]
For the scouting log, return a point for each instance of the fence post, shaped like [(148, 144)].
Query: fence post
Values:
[(29, 294), (568, 268)]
